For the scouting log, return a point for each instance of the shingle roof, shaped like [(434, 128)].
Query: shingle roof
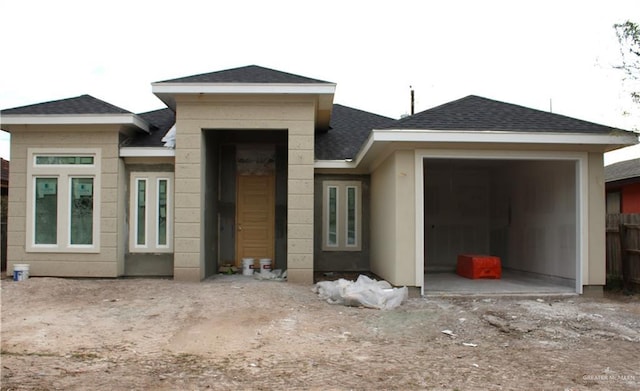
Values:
[(246, 74), (161, 121), (349, 129), (622, 170), (83, 104), (482, 114)]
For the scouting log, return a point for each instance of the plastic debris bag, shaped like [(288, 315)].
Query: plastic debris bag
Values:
[(273, 275), (332, 291), (364, 292)]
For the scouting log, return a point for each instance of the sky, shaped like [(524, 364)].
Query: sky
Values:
[(547, 55)]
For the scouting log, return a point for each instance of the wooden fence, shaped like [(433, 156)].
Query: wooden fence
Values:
[(623, 248)]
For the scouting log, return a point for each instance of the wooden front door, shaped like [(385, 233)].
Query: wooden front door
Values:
[(255, 217)]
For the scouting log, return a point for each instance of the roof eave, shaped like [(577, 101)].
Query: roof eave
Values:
[(243, 88), (131, 120), (622, 138), (147, 152), (379, 138), (166, 92)]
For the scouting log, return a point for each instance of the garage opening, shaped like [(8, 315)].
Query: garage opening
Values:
[(523, 211)]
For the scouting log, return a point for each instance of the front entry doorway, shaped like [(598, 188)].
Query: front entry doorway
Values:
[(255, 217), (245, 214)]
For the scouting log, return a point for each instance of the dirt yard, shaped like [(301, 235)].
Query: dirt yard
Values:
[(234, 332)]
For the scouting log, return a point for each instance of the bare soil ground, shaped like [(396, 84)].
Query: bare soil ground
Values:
[(234, 332)]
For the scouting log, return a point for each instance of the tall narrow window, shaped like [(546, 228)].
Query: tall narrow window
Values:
[(141, 215), (351, 216), (341, 220), (150, 212), (81, 227), (46, 211), (163, 185), (332, 218)]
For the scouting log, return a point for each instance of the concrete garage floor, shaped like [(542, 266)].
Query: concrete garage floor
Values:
[(511, 283)]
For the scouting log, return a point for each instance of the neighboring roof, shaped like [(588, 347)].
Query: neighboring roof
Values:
[(83, 104), (482, 114), (349, 129), (246, 74), (161, 121), (623, 170)]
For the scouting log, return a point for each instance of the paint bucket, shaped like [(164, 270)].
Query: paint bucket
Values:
[(20, 272), (265, 265), (247, 266)]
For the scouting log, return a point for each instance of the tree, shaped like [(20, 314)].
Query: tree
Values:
[(628, 34)]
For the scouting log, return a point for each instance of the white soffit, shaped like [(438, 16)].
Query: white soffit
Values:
[(166, 91), (324, 92), (381, 137), (488, 136), (243, 88), (339, 164), (147, 152), (75, 119)]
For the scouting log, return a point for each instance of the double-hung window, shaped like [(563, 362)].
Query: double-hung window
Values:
[(151, 206), (63, 189), (341, 216)]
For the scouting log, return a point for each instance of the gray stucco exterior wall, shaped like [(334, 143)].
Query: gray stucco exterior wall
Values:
[(325, 261)]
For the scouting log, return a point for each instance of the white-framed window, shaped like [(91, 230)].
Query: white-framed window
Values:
[(150, 212), (341, 215), (63, 193)]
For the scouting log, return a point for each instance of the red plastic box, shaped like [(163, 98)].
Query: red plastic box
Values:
[(479, 266)]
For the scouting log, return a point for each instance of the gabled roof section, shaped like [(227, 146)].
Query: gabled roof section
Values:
[(250, 80), (248, 74), (83, 104), (481, 114), (348, 131), (79, 110), (627, 169)]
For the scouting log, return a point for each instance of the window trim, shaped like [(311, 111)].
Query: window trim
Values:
[(64, 173), (327, 229), (135, 211), (152, 203), (342, 223), (355, 211), (59, 155), (167, 216), (69, 216)]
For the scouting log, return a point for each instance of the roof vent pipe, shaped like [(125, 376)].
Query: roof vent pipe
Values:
[(412, 100)]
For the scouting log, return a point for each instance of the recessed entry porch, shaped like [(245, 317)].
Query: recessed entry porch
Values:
[(525, 211), (245, 197)]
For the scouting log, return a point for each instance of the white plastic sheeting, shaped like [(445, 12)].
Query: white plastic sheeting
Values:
[(169, 139), (272, 275), (364, 292)]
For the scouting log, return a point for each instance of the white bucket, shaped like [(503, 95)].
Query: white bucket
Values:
[(20, 271), (265, 265), (247, 266)]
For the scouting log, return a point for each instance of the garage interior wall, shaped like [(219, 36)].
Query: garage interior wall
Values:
[(522, 211)]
